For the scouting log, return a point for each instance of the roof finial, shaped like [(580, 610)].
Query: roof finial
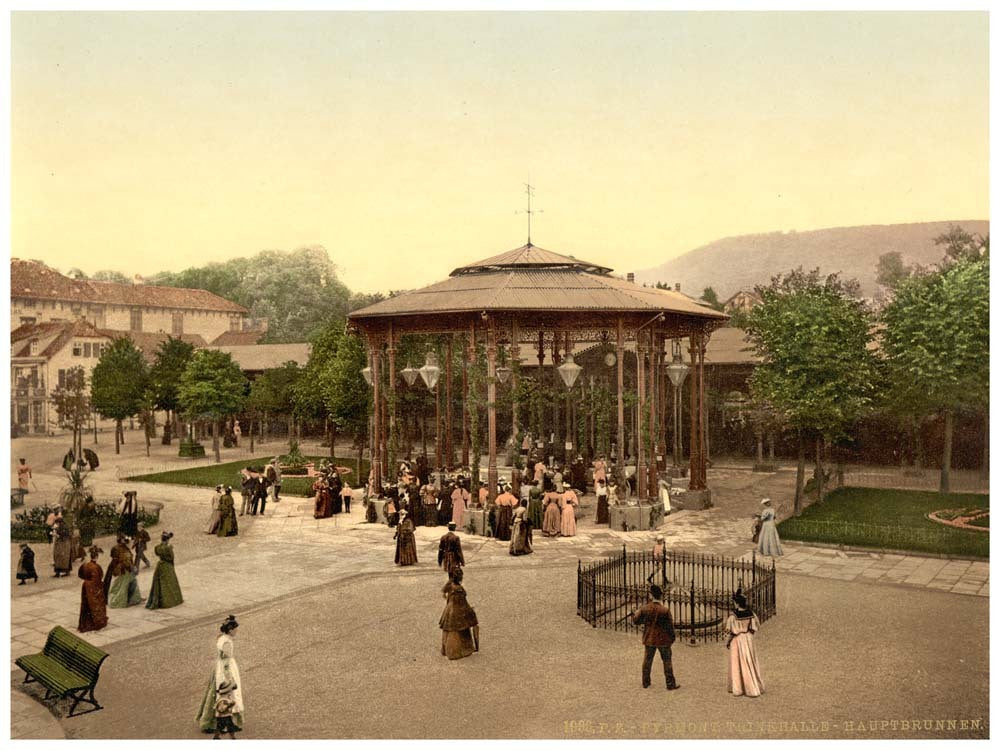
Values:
[(530, 191)]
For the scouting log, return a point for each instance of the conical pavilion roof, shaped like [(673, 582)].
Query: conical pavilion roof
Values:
[(529, 256), (532, 279)]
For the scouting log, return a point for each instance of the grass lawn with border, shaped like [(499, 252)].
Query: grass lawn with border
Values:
[(888, 519), (229, 473)]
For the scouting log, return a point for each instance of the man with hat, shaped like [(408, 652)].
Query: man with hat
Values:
[(657, 635), (139, 547), (450, 551)]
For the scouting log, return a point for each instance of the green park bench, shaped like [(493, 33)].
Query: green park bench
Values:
[(67, 666)]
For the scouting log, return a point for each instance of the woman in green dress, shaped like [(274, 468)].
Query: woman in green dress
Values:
[(165, 591), (227, 515), (87, 521)]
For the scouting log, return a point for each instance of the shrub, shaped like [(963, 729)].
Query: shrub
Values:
[(30, 526)]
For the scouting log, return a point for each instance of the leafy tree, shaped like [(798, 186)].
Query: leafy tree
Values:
[(817, 372), (172, 358), (347, 396), (309, 392), (892, 271), (118, 383), (72, 404), (115, 276), (936, 340), (960, 245), (273, 392), (298, 291), (212, 387), (76, 273), (709, 297)]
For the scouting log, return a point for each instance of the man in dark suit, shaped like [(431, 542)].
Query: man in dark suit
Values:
[(657, 635)]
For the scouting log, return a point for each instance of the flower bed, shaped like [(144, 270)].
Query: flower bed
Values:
[(30, 526)]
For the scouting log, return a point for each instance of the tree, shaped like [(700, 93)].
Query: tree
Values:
[(212, 387), (347, 396), (172, 358), (115, 276), (709, 297), (960, 245), (273, 392), (817, 372), (118, 384), (309, 393), (891, 270), (298, 291), (936, 339), (72, 404)]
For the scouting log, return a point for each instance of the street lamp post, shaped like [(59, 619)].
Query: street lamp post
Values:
[(677, 371)]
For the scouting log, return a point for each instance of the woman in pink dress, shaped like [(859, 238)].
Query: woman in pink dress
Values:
[(552, 521), (744, 673), (600, 470), (459, 502), (569, 505)]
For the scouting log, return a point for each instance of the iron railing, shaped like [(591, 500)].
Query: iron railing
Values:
[(697, 589)]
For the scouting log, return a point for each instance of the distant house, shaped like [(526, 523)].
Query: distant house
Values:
[(743, 301), (254, 359), (39, 294)]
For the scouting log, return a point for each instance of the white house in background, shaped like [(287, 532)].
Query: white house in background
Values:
[(39, 294)]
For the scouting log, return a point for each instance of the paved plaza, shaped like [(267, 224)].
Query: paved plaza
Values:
[(288, 570)]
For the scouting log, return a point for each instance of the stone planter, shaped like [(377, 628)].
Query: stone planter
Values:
[(478, 519), (636, 517)]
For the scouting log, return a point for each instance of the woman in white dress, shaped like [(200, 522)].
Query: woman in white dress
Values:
[(225, 670), (744, 672), (768, 542)]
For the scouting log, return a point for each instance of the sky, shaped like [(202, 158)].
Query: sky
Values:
[(401, 142)]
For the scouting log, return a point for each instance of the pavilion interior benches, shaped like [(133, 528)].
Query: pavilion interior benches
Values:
[(67, 666)]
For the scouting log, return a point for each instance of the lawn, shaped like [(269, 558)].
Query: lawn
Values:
[(229, 473), (889, 519)]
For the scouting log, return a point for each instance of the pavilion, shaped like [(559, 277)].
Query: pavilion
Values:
[(530, 296)]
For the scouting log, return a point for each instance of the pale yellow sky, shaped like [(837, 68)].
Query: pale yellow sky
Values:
[(156, 141)]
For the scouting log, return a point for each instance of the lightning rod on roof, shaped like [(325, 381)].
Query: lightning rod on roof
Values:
[(530, 190)]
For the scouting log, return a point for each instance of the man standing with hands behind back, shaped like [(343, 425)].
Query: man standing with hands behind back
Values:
[(658, 635)]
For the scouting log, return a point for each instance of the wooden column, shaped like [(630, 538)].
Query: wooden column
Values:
[(376, 457), (491, 412), (391, 441), (620, 353), (515, 355), (641, 349), (695, 449), (470, 359), (651, 487), (449, 450)]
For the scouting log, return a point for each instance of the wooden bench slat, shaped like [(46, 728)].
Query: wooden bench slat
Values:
[(67, 666)]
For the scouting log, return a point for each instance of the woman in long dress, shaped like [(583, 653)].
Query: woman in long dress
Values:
[(569, 505), (460, 498), (23, 474), (165, 591), (429, 497), (87, 521), (744, 672), (124, 590), (459, 625), (226, 670), (552, 523), (128, 507), (601, 488), (62, 549), (93, 605), (406, 544), (520, 536), (322, 498), (505, 514), (768, 543), (216, 515), (227, 515), (536, 513)]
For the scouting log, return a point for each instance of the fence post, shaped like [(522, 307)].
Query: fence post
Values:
[(753, 566), (774, 590), (693, 641), (593, 600), (579, 585)]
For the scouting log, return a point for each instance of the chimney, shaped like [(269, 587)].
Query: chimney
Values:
[(677, 286), (631, 277)]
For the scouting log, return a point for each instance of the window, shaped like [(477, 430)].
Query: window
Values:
[(62, 378), (77, 349), (33, 348), (27, 303), (38, 420), (86, 348), (27, 321), (177, 324), (135, 319), (234, 323)]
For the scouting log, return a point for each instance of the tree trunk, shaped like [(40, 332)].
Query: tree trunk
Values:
[(800, 474), (819, 468), (770, 447), (984, 471), (760, 448), (95, 432), (949, 428), (118, 432), (149, 429), (121, 432), (167, 432), (251, 437), (215, 440), (333, 438)]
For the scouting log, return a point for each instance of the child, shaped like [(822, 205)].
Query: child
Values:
[(26, 566), (659, 559), (224, 705), (347, 494)]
